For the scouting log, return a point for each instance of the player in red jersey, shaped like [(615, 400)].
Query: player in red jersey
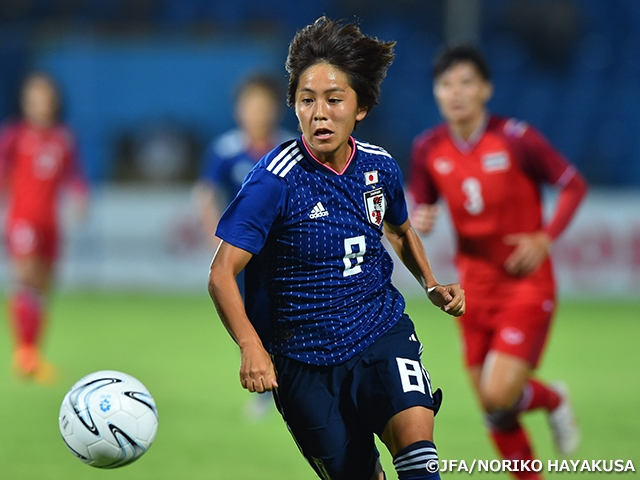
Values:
[(490, 170), (37, 159)]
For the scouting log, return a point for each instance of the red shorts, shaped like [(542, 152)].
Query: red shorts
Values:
[(519, 328), (25, 238)]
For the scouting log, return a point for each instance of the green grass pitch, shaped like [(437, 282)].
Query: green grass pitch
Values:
[(178, 348)]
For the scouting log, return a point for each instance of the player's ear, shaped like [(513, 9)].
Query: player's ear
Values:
[(362, 112)]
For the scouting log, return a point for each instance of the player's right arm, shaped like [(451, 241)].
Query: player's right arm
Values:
[(257, 373), (243, 230), (423, 217), (207, 195), (421, 188), (7, 141), (210, 208)]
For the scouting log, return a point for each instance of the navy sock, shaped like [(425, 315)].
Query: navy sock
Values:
[(418, 461)]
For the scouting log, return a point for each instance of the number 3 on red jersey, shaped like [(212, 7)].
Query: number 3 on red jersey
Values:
[(474, 203)]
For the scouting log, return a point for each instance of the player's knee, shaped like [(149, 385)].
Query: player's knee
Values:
[(493, 400), (418, 461), (502, 420)]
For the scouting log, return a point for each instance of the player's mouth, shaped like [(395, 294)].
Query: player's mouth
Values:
[(322, 133)]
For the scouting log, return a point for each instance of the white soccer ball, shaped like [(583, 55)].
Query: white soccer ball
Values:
[(108, 419)]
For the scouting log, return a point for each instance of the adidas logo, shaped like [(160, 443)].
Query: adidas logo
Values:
[(318, 211)]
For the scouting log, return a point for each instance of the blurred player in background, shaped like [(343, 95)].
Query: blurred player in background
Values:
[(231, 156), (342, 356), (228, 159), (37, 159), (490, 171)]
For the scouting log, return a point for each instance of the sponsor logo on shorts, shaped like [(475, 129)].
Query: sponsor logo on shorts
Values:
[(512, 335)]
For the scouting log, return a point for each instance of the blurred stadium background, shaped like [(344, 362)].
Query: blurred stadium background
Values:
[(148, 83)]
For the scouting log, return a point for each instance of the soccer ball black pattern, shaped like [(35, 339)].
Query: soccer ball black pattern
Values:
[(108, 419)]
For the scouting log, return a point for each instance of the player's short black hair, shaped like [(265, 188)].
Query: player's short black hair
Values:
[(365, 60), (451, 55)]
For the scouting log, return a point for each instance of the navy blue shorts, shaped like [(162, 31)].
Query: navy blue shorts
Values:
[(333, 412)]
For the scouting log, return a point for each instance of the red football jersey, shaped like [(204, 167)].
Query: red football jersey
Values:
[(492, 188), (34, 165)]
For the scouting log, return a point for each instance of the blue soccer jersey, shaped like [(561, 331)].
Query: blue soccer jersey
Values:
[(228, 160), (316, 237)]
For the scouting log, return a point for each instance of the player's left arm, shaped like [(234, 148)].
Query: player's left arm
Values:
[(409, 248), (546, 165)]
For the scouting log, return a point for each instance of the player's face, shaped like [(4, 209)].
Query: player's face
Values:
[(39, 102), (461, 93), (257, 112), (327, 109)]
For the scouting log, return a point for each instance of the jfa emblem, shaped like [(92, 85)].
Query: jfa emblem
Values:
[(376, 205)]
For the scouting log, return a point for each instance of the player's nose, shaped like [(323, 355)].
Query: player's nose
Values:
[(319, 112)]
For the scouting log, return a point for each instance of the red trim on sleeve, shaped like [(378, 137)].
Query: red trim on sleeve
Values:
[(569, 200), (545, 164)]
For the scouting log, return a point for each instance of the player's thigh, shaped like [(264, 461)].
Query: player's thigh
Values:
[(32, 271), (315, 404), (32, 250), (390, 378), (476, 332), (522, 329)]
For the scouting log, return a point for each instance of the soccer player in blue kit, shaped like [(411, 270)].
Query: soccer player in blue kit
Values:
[(340, 354)]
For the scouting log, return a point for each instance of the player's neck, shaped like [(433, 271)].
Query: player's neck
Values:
[(335, 161), (468, 130), (38, 124), (464, 130)]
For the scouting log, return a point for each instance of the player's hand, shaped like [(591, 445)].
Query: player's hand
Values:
[(531, 249), (257, 373), (450, 298), (423, 217)]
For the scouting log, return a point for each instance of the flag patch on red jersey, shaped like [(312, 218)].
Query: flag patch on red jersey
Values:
[(495, 162), (376, 205)]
